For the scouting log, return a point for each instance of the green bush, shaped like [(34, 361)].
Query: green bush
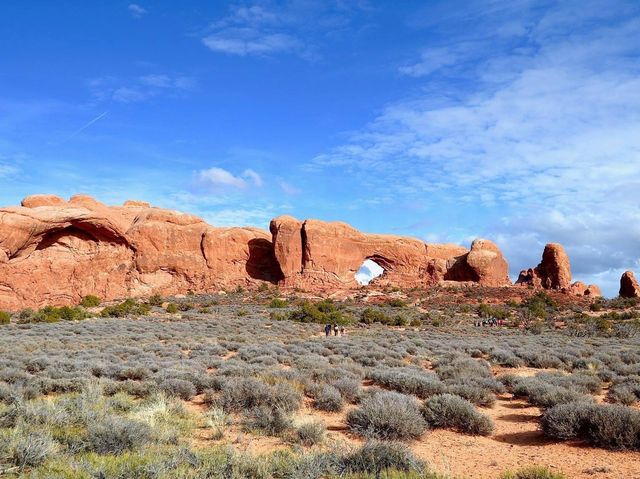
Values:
[(452, 412), (371, 315), (323, 312), (155, 300), (172, 308), (278, 303), (90, 301), (52, 314), (129, 307), (397, 303), (5, 318)]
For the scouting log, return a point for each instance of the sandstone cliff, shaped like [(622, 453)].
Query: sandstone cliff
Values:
[(54, 251)]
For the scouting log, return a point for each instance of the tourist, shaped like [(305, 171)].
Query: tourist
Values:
[(327, 330)]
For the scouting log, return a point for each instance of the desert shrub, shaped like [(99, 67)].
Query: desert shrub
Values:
[(408, 381), (5, 318), (453, 412), (138, 389), (328, 398), (172, 308), (310, 434), (462, 368), (371, 315), (387, 415), (349, 388), (270, 420), (28, 449), (474, 393), (114, 435), (247, 393), (217, 420), (178, 388), (278, 303), (90, 301), (129, 307), (505, 358), (376, 457), (627, 393), (533, 472), (608, 426), (136, 373), (155, 300), (545, 395)]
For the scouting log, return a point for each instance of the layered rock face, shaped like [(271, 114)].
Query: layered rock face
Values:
[(317, 254), (554, 272), (54, 251), (629, 287)]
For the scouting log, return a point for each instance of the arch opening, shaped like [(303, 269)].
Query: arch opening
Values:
[(368, 271)]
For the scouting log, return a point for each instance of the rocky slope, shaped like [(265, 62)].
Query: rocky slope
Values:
[(54, 251)]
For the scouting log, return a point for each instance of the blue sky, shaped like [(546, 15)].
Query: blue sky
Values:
[(445, 120)]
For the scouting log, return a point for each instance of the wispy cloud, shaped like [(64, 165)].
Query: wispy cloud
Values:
[(137, 89), (136, 10), (268, 28), (548, 134), (251, 30), (288, 188), (220, 179)]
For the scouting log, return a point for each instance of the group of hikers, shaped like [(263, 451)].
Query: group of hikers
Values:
[(337, 330), (489, 322)]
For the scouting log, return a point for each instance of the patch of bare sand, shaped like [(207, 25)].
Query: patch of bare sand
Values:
[(516, 443)]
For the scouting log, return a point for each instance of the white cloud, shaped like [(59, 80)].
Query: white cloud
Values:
[(136, 10), (139, 89), (287, 188), (549, 135), (218, 178), (269, 28), (251, 30)]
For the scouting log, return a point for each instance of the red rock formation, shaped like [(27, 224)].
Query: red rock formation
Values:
[(554, 272), (580, 289), (54, 251), (317, 254), (629, 287)]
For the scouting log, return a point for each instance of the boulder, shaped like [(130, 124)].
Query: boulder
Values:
[(629, 287)]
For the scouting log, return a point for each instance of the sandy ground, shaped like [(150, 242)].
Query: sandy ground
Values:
[(516, 443)]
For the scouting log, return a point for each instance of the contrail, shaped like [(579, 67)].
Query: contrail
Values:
[(87, 125)]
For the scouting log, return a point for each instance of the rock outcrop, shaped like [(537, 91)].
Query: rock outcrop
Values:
[(317, 254), (55, 252), (629, 287), (554, 272)]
